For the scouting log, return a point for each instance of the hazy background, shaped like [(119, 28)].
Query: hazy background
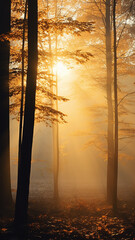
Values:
[(83, 158)]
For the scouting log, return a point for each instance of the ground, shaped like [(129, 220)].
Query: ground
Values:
[(76, 219)]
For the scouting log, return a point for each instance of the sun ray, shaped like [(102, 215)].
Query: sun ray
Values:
[(60, 68)]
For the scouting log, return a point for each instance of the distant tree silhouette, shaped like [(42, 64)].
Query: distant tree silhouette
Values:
[(108, 38), (24, 167), (5, 184), (123, 13), (115, 177), (116, 40), (60, 24)]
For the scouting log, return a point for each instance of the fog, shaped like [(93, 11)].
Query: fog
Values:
[(82, 146)]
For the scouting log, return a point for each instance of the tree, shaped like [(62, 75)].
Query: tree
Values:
[(5, 184), (24, 167), (22, 85), (102, 14), (105, 10), (116, 40), (108, 38), (115, 177), (56, 127)]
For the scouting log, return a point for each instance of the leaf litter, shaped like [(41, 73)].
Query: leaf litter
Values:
[(79, 220)]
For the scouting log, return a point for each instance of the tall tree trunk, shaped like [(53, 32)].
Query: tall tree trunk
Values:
[(110, 163), (56, 158), (5, 184), (55, 127), (115, 178), (22, 85), (56, 130), (21, 207)]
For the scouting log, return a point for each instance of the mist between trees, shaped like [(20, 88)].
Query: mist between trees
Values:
[(69, 92)]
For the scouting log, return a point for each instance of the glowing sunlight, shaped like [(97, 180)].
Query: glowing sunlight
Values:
[(61, 69)]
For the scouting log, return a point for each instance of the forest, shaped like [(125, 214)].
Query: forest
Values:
[(67, 125)]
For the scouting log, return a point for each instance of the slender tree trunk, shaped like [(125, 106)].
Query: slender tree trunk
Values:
[(116, 112), (21, 207), (55, 127), (22, 85), (110, 163), (56, 131), (56, 158), (5, 184)]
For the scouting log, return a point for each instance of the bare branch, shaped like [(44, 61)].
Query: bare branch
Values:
[(103, 17), (130, 9), (125, 97)]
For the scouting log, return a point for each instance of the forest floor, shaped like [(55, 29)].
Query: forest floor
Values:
[(73, 219)]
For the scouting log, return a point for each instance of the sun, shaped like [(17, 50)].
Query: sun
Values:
[(61, 69)]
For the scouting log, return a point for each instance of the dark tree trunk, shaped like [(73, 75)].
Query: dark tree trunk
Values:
[(21, 207), (115, 178), (22, 85), (110, 163), (5, 184)]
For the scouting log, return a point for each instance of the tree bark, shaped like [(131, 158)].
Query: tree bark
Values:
[(21, 207), (110, 163), (115, 178), (5, 184), (22, 85)]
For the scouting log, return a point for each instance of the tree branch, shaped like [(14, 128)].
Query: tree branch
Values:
[(130, 9), (125, 97)]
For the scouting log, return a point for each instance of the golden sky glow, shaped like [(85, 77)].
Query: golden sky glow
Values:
[(83, 139), (61, 69)]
